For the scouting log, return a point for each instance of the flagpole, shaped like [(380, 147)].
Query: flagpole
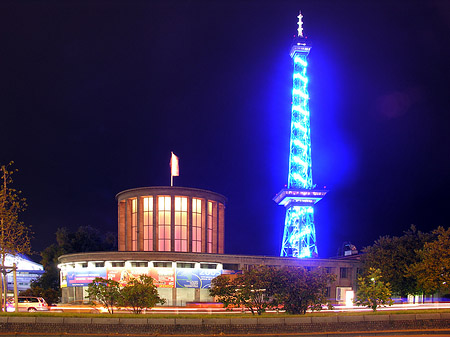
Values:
[(171, 178)]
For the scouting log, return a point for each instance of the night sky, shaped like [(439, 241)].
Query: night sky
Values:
[(94, 95)]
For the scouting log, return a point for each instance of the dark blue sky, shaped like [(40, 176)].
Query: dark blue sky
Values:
[(95, 95)]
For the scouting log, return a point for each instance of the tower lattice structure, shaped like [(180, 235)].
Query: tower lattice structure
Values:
[(299, 236)]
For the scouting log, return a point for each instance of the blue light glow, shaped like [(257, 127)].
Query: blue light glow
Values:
[(299, 233), (299, 237), (300, 60)]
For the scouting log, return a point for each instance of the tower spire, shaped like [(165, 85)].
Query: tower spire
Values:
[(299, 236), (300, 24)]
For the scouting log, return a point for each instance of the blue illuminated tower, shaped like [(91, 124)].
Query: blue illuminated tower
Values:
[(299, 237)]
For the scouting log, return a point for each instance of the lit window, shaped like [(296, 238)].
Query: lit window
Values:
[(210, 224), (164, 223), (148, 223), (134, 224), (181, 224), (209, 227), (196, 225)]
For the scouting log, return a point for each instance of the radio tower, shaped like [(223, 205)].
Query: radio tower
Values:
[(299, 237)]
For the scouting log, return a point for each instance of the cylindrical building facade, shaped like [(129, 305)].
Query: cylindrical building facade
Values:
[(171, 219)]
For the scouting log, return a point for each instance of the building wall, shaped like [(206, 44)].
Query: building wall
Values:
[(186, 277), (27, 271), (171, 219)]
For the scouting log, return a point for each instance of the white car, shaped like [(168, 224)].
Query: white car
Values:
[(27, 303)]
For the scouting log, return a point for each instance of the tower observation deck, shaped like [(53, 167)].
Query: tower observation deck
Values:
[(299, 236)]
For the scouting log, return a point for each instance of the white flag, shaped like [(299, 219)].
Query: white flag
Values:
[(174, 169)]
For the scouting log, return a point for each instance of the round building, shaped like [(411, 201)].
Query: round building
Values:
[(171, 219)]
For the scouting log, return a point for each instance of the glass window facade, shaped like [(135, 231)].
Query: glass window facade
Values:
[(164, 223), (134, 228), (165, 219), (197, 225), (148, 223), (181, 224), (209, 228)]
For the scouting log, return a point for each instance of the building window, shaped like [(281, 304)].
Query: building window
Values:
[(327, 292), (230, 266), (162, 264), (196, 225), (209, 228), (164, 223), (344, 272), (208, 266), (148, 223), (99, 264), (139, 264), (84, 265), (181, 226), (134, 224), (117, 264), (185, 265)]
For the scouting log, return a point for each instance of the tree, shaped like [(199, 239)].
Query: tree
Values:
[(107, 292), (254, 289), (14, 234), (50, 295), (224, 290), (372, 291), (394, 256), (433, 269), (296, 289), (251, 290), (85, 239), (140, 293)]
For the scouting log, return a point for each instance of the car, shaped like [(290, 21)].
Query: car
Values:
[(27, 303)]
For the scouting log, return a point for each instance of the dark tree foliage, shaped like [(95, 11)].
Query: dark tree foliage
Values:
[(433, 270), (14, 234), (140, 293), (223, 288), (51, 296), (293, 289), (393, 256), (85, 239), (107, 292), (297, 290), (254, 289), (251, 290), (373, 292)]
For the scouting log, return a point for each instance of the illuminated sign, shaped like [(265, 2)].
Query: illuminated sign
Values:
[(83, 277), (195, 278)]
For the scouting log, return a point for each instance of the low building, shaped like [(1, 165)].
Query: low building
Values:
[(176, 235), (27, 271)]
